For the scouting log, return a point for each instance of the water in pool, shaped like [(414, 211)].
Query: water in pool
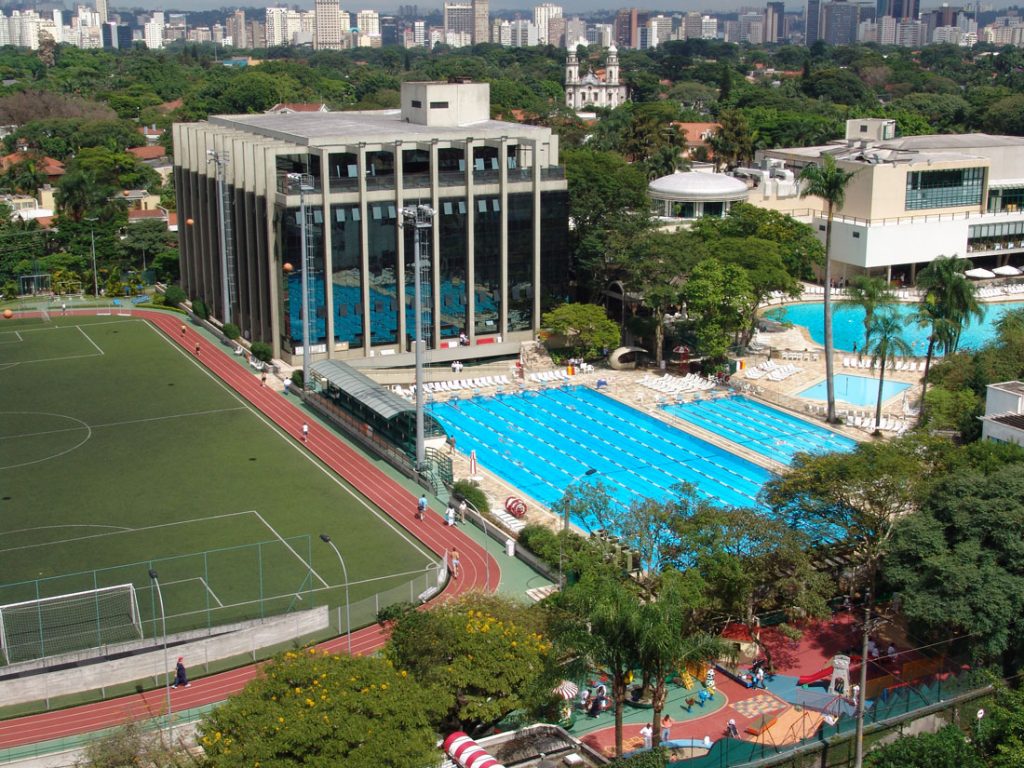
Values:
[(848, 324), (856, 390), (761, 428), (540, 442)]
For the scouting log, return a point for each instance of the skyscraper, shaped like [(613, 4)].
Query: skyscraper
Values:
[(541, 14), (774, 16), (906, 9), (812, 33), (237, 29), (458, 18), (481, 22), (101, 10), (328, 32)]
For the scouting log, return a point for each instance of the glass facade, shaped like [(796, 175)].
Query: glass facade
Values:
[(450, 227), (426, 282), (520, 261), (949, 188), (554, 254), (1006, 200), (487, 264), (289, 247), (346, 282), (382, 247)]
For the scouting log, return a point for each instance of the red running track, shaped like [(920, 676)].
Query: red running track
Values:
[(376, 486)]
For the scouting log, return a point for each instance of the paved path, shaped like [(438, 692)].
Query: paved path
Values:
[(379, 489)]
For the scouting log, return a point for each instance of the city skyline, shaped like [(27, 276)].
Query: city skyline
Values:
[(570, 6)]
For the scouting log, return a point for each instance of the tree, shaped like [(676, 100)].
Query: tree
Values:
[(827, 181), (733, 142), (949, 303), (585, 327), (868, 293), (603, 614), (856, 498), (956, 564), (313, 708), (653, 271), (718, 301), (884, 341), (480, 656), (750, 566), (1000, 735)]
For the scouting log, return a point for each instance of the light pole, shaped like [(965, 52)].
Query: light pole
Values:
[(95, 275), (163, 619), (565, 522), (304, 183), (861, 694), (422, 219), (348, 616)]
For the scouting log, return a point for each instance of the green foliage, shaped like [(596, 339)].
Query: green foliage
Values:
[(718, 301), (298, 379), (231, 331), (956, 563), (1000, 735), (262, 351), (131, 745), (174, 295), (394, 612), (947, 408), (945, 749), (654, 758), (542, 541), (473, 495), (585, 327), (314, 708), (200, 309), (480, 657)]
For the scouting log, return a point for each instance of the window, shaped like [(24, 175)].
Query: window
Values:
[(947, 188), (863, 128), (856, 234), (417, 103), (439, 105)]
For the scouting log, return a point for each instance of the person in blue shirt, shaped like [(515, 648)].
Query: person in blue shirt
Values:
[(421, 507)]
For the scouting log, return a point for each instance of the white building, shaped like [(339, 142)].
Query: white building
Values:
[(542, 14), (329, 32), (910, 199), (590, 91), (368, 23), (681, 198), (522, 33), (277, 26), (153, 31), (1004, 413)]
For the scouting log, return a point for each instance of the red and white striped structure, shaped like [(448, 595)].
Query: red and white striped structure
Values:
[(467, 753)]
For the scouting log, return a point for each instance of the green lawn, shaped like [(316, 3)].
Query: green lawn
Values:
[(119, 453)]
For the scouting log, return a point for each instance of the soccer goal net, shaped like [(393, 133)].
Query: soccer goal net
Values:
[(52, 625)]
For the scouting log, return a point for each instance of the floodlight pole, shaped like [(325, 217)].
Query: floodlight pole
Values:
[(304, 183), (348, 604), (422, 219), (565, 522), (95, 274), (862, 694), (167, 669)]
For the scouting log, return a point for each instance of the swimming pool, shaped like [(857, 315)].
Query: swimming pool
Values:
[(855, 390), (539, 441), (761, 428), (848, 324)]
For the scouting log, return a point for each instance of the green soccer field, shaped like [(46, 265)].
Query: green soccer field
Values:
[(119, 453)]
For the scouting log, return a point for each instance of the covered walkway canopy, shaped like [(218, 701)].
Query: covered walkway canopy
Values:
[(384, 413)]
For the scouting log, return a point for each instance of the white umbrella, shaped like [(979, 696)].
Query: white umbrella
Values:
[(567, 689), (978, 273), (1006, 271), (473, 468)]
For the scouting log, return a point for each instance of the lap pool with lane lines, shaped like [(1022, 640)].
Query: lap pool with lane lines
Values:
[(539, 442), (761, 428)]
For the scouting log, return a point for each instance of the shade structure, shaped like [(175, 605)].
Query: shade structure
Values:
[(978, 273), (467, 753), (567, 689), (1006, 271)]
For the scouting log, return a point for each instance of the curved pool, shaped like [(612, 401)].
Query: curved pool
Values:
[(848, 324)]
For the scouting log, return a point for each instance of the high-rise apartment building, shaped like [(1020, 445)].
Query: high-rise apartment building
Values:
[(277, 26), (575, 32), (368, 23), (541, 15), (839, 23), (101, 11), (236, 29), (812, 16), (328, 32), (481, 22), (774, 21), (153, 31), (556, 31), (458, 19), (660, 30), (522, 33)]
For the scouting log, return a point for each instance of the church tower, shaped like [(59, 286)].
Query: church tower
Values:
[(572, 69), (611, 66)]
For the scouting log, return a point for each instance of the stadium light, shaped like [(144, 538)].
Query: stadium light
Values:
[(167, 669), (348, 616)]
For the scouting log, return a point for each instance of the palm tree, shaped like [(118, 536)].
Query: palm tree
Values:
[(949, 303), (869, 293), (827, 181), (884, 342)]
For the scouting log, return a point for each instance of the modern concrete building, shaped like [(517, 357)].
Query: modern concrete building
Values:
[(498, 242), (910, 200)]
